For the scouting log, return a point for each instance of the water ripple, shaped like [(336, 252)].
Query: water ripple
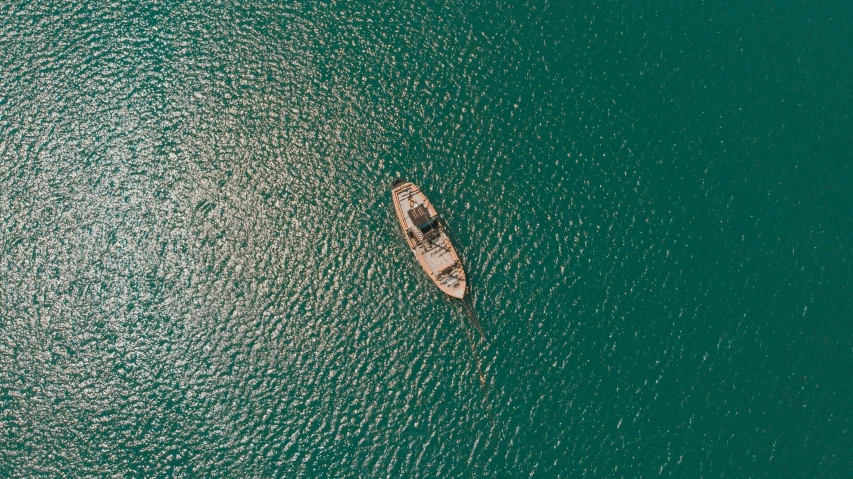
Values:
[(201, 275)]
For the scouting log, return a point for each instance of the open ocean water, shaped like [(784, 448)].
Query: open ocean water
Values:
[(201, 274)]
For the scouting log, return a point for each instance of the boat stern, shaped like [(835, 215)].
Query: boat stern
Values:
[(456, 290), (458, 293)]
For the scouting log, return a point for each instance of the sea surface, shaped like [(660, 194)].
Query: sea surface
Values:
[(201, 274)]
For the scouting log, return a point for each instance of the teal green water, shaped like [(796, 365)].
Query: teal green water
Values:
[(201, 275)]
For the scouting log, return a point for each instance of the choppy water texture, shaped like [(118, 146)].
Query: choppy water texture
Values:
[(201, 275)]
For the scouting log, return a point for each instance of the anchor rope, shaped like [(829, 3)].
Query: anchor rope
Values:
[(472, 316), (477, 363)]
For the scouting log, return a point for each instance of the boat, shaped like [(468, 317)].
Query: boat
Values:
[(427, 237)]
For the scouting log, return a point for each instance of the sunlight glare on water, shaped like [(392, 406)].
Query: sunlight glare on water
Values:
[(202, 276)]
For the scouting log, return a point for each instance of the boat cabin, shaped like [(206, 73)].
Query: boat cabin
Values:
[(420, 218)]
